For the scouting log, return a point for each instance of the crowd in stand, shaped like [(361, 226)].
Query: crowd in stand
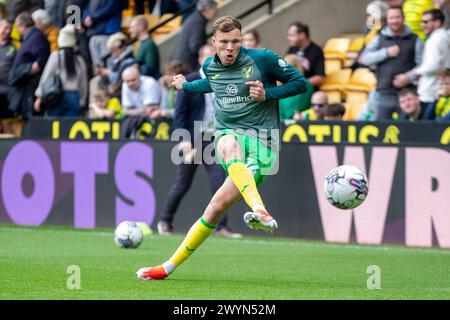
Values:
[(103, 72)]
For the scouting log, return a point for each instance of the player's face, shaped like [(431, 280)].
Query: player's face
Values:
[(227, 45)]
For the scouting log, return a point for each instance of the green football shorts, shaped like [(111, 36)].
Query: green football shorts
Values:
[(260, 160)]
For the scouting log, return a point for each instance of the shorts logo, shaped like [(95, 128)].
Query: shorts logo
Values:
[(247, 72), (232, 90)]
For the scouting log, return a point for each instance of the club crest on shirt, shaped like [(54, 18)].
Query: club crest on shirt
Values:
[(282, 63), (247, 72)]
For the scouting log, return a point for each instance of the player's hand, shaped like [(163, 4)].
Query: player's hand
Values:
[(257, 91), (178, 81)]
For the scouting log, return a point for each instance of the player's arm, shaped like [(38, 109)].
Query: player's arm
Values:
[(294, 83), (197, 86)]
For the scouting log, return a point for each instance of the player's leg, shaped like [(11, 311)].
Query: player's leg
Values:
[(221, 202), (231, 154)]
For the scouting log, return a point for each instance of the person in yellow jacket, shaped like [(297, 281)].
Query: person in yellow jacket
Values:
[(413, 10)]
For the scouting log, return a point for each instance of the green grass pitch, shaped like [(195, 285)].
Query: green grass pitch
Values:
[(34, 262)]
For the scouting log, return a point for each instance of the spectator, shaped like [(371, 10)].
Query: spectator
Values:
[(333, 112), (2, 11), (410, 105), (183, 4), (193, 34), (139, 6), (444, 6), (61, 20), (7, 54), (147, 54), (168, 91), (251, 39), (140, 94), (376, 18), (395, 52), (318, 101), (440, 109), (312, 59), (121, 58), (164, 6), (191, 108), (296, 104), (72, 70), (15, 7), (104, 106), (28, 64), (413, 11), (43, 22), (102, 18), (436, 55)]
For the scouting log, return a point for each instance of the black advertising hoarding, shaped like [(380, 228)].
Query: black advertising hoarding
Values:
[(91, 184), (301, 132)]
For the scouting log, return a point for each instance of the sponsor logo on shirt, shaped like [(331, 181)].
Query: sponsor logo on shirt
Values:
[(232, 90)]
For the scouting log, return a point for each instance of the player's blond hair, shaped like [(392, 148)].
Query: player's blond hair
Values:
[(226, 24)]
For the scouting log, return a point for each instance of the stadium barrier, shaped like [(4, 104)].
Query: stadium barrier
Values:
[(93, 184), (303, 132)]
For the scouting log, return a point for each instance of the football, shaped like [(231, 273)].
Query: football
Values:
[(128, 235), (346, 187)]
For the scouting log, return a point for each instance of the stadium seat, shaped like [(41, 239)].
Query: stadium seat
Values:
[(355, 101), (336, 48), (362, 80), (355, 47), (336, 80), (332, 65), (335, 83), (334, 97)]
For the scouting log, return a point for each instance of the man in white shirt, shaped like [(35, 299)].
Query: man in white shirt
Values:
[(140, 94), (436, 55)]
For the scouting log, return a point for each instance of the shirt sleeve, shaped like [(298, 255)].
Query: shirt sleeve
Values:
[(372, 54), (126, 101), (294, 83), (199, 86)]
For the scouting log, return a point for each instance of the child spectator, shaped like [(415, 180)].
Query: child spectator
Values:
[(440, 109), (104, 106)]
